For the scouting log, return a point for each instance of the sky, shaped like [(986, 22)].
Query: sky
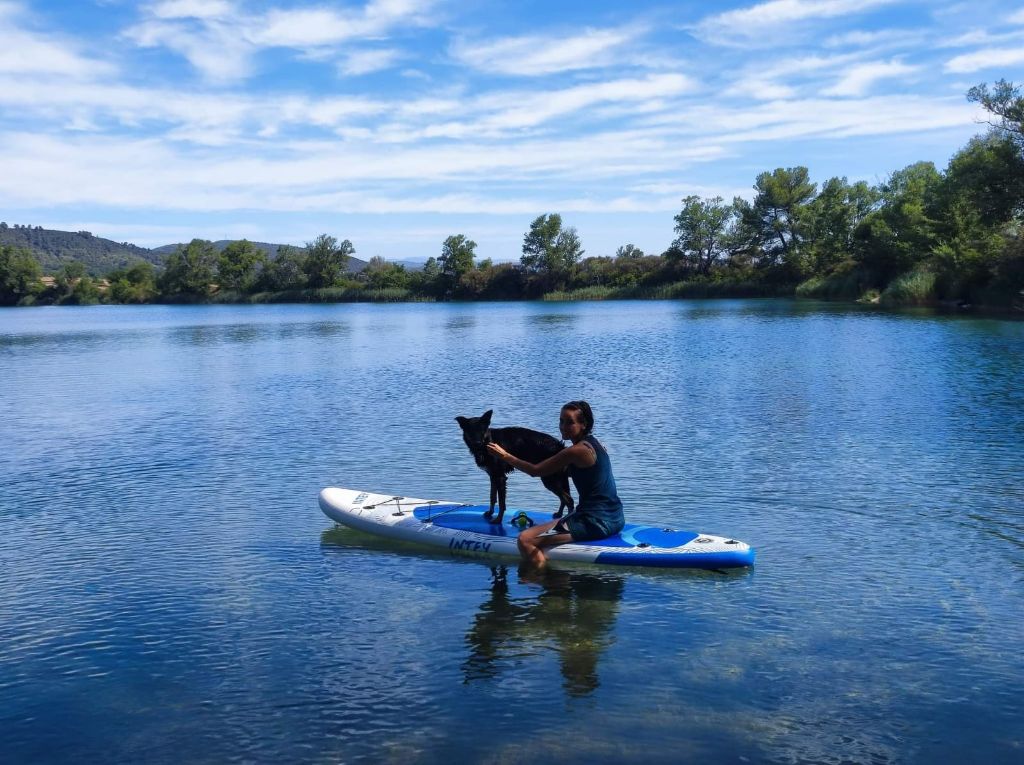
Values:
[(397, 123)]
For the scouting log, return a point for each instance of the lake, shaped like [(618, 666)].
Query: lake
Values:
[(172, 593)]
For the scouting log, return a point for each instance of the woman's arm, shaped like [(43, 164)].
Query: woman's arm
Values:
[(580, 455)]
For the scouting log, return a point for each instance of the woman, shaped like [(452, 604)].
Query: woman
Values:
[(599, 510)]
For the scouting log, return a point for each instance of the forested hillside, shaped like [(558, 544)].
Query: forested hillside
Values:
[(55, 249)]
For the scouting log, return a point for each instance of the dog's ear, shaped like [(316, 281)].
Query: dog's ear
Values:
[(462, 422), (485, 420)]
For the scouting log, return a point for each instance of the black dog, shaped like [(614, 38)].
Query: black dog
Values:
[(529, 445)]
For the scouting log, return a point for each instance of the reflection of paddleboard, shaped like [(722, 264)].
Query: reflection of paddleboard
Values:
[(462, 528)]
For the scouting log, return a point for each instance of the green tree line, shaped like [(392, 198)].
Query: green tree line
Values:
[(921, 236)]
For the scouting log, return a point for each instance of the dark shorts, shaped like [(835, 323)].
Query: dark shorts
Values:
[(586, 528)]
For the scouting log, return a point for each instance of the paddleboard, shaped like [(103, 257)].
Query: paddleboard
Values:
[(462, 529)]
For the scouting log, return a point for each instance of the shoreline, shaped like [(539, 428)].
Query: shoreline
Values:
[(695, 292)]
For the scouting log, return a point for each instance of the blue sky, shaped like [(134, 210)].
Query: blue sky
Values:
[(395, 123)]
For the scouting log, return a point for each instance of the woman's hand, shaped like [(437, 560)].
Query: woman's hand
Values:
[(496, 450)]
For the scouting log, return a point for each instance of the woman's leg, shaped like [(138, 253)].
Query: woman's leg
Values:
[(531, 543)]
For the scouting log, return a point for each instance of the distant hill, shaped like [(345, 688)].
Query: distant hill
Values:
[(55, 248)]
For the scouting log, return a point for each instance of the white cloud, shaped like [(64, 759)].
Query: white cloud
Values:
[(539, 55), (785, 78), (982, 38), (219, 118), (985, 59), (364, 175), (759, 24), (318, 177), (196, 9), (532, 109), (208, 117), (25, 52), (319, 26), (799, 119), (367, 61), (215, 49), (305, 27), (1016, 18), (859, 79), (882, 38), (220, 40)]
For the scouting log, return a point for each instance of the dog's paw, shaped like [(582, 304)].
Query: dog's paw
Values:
[(488, 515), (558, 514)]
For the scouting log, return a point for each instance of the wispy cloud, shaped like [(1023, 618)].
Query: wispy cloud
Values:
[(759, 24), (859, 79), (982, 38), (194, 9), (27, 52), (787, 78), (215, 118), (534, 55), (220, 38), (366, 61), (985, 59), (213, 46), (881, 38), (319, 26)]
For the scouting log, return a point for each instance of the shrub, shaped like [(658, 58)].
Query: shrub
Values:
[(915, 287)]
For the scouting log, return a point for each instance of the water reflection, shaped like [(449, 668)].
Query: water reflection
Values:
[(244, 334), (575, 611), (460, 322), (83, 340), (552, 320), (317, 329)]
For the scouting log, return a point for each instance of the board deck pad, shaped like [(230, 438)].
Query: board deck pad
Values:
[(471, 518)]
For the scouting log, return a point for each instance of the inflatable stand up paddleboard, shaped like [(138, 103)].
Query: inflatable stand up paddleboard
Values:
[(462, 528)]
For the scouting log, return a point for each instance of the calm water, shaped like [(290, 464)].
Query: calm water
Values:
[(172, 593)]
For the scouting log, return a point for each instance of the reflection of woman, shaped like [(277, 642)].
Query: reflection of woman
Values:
[(576, 610), (599, 511)]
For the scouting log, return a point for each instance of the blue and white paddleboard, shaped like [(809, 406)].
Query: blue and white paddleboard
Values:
[(462, 529)]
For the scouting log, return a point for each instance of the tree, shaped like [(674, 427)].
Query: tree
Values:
[(284, 272), (540, 241), (901, 232), (134, 284), (189, 270), (989, 173), (701, 227), (381, 275), (567, 253), (75, 286), (629, 252), (326, 260), (427, 280), (775, 218), (550, 250), (239, 264), (456, 259), (1005, 101), (20, 275), (832, 217)]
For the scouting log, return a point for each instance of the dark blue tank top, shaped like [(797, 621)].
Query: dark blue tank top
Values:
[(596, 488)]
